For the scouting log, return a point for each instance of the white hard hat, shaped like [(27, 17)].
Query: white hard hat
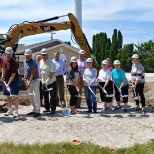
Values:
[(28, 52), (81, 51), (89, 60), (135, 56), (73, 59), (105, 62), (9, 50), (44, 51), (116, 62)]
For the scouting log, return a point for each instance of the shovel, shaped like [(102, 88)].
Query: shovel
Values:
[(28, 90), (120, 92), (48, 89), (111, 95), (66, 112), (135, 97), (78, 95), (8, 89)]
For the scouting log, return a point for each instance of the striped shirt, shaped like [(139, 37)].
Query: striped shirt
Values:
[(137, 73)]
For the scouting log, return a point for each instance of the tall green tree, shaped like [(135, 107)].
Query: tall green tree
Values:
[(120, 40), (114, 45), (99, 46)]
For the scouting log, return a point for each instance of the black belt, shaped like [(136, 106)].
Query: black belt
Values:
[(59, 75)]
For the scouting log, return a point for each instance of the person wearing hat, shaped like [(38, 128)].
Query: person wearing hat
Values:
[(11, 81), (82, 65), (48, 79), (31, 78), (89, 79), (138, 80), (60, 71), (72, 81), (120, 85), (38, 59), (105, 85)]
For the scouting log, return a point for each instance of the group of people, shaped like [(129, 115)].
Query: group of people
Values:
[(111, 82), (44, 80)]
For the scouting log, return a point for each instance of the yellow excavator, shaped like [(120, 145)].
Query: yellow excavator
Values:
[(18, 31)]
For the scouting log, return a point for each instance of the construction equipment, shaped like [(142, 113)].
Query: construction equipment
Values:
[(18, 31)]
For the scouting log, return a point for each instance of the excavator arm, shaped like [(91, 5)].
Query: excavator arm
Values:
[(18, 31)]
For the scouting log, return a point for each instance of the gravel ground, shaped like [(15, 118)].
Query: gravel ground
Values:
[(114, 130)]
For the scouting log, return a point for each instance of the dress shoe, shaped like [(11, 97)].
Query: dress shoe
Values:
[(52, 112), (31, 113), (45, 111), (36, 114)]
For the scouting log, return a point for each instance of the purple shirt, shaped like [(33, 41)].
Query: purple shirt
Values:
[(82, 65)]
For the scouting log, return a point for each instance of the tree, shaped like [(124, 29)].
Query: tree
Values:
[(114, 45)]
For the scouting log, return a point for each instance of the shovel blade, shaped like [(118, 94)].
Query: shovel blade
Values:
[(48, 89)]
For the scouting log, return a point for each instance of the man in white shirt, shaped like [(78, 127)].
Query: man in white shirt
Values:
[(48, 79), (60, 71)]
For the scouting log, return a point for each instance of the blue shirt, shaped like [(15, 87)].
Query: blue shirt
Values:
[(118, 77), (28, 66), (60, 66)]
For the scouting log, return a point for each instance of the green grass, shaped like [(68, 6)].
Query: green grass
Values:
[(68, 148)]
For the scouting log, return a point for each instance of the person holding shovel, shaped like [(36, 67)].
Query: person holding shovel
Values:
[(120, 85), (105, 86), (138, 80), (48, 79), (10, 78), (31, 78), (72, 81), (90, 84)]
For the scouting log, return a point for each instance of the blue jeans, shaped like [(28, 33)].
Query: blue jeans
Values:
[(91, 97)]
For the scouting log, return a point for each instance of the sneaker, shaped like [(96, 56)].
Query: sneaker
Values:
[(94, 111), (143, 112), (31, 113), (36, 114), (109, 111), (117, 108), (45, 111), (89, 111), (52, 112), (137, 109), (15, 115), (9, 112), (125, 110)]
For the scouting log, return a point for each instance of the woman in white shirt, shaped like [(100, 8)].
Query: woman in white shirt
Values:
[(89, 78), (105, 85)]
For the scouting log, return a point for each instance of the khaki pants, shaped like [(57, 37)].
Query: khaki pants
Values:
[(35, 98), (59, 89), (80, 91)]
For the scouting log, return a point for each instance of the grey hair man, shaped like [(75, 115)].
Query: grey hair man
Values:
[(60, 71)]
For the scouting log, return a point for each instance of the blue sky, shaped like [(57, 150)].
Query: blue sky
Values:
[(134, 18)]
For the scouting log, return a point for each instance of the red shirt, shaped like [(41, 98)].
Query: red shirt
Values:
[(110, 68), (9, 67)]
